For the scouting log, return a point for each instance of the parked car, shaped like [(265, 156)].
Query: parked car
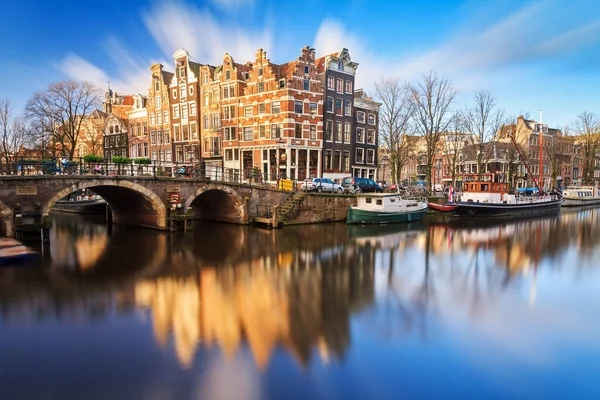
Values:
[(361, 185), (307, 185), (326, 185)]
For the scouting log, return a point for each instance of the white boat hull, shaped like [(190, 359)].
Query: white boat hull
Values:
[(579, 202)]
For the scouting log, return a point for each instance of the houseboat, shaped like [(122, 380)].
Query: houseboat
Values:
[(84, 202), (494, 199), (385, 208), (578, 196)]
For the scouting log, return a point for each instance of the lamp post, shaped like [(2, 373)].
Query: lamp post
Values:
[(280, 143)]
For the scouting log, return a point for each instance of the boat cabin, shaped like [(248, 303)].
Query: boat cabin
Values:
[(487, 192), (582, 192), (486, 187), (377, 201)]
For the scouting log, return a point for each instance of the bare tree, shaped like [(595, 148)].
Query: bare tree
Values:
[(516, 154), (431, 100), (483, 120), (61, 109), (454, 144), (13, 133), (587, 129), (394, 118)]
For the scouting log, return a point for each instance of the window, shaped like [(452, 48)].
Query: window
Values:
[(339, 86), (205, 98), (194, 131), (184, 111), (216, 146), (175, 93), (281, 83), (260, 72), (145, 149), (341, 65), (156, 85), (159, 118), (167, 136), (371, 119), (157, 102), (230, 133), (193, 108), (154, 155), (145, 128), (205, 78), (298, 131), (276, 130), (159, 137), (338, 132), (360, 135), (306, 84), (248, 111), (152, 120), (168, 155), (330, 82), (205, 121), (329, 105), (298, 107), (182, 91), (360, 156), (216, 121), (185, 133), (337, 160), (346, 162), (153, 138), (191, 90), (229, 155), (228, 74), (370, 156), (262, 131), (176, 111), (261, 87), (179, 153), (261, 108), (312, 108), (166, 117), (226, 92), (347, 107), (328, 160), (215, 95), (275, 107), (348, 86), (371, 136), (328, 130), (248, 133), (360, 116), (181, 71), (338, 106), (313, 132), (306, 69), (347, 138), (229, 112)]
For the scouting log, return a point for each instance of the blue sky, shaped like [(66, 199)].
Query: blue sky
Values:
[(531, 55)]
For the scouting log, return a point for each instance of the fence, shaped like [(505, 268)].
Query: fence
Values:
[(59, 166)]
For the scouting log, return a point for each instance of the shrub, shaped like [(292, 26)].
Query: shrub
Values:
[(121, 160), (143, 161), (90, 158)]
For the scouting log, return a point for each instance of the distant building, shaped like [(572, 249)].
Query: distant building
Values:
[(366, 144), (138, 138)]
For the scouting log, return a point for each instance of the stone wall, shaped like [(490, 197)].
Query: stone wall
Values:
[(318, 208)]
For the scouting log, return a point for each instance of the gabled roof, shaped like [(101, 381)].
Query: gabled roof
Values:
[(128, 100), (320, 62), (287, 70)]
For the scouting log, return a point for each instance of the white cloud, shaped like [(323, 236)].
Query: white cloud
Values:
[(207, 39), (79, 69), (232, 4)]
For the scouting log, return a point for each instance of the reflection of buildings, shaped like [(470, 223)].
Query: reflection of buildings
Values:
[(268, 302), (77, 246)]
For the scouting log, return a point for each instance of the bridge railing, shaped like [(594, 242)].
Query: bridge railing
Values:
[(27, 166)]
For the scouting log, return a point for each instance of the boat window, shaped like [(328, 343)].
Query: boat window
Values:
[(484, 188), (379, 202), (368, 200)]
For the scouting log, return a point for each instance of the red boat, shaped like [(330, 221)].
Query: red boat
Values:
[(442, 208)]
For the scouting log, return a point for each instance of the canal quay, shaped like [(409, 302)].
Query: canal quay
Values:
[(489, 309)]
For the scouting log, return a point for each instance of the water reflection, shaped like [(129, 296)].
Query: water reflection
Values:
[(472, 305)]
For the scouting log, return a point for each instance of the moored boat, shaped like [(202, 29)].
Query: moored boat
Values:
[(578, 196), (385, 208), (84, 202), (494, 199), (442, 207), (13, 252)]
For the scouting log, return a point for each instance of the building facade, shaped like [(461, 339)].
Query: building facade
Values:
[(337, 73), (364, 153), (158, 108), (139, 138)]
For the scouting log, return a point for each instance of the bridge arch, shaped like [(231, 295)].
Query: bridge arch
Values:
[(221, 203), (130, 202), (7, 221)]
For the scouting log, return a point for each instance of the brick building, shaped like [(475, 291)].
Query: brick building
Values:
[(158, 108), (366, 142), (139, 138), (337, 72)]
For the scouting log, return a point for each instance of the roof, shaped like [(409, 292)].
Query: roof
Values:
[(128, 100), (320, 62), (286, 70)]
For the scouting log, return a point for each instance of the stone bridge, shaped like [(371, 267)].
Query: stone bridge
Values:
[(136, 200)]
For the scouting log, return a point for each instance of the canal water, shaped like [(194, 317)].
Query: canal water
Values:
[(482, 309)]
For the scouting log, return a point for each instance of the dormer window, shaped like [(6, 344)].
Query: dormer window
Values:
[(341, 65)]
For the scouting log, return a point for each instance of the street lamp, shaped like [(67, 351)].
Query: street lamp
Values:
[(280, 143)]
